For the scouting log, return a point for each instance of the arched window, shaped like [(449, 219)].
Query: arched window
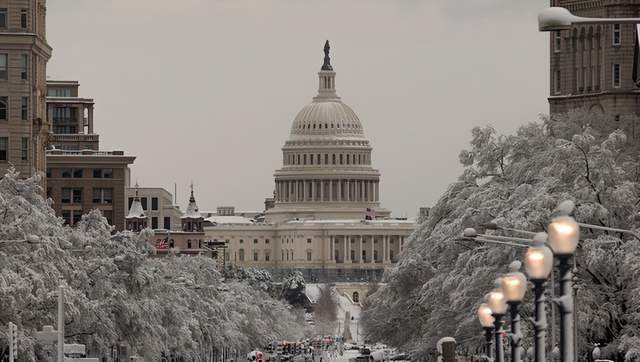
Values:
[(326, 159), (334, 159), (241, 254), (298, 159), (355, 297), (341, 158)]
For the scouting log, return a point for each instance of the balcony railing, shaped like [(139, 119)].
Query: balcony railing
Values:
[(77, 137), (84, 153)]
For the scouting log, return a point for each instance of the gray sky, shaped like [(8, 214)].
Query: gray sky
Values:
[(206, 90)]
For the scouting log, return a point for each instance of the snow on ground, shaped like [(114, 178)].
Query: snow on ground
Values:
[(344, 305)]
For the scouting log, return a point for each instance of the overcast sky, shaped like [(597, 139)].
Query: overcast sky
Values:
[(206, 90)]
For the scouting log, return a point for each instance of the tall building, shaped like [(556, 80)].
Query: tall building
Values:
[(24, 54), (591, 65), (80, 176), (326, 219)]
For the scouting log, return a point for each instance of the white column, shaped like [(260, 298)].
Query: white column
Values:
[(331, 248), (313, 190), (321, 190), (377, 191), (305, 190), (385, 239), (339, 195), (330, 190), (344, 242)]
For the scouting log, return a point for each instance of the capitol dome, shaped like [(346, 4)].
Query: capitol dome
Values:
[(326, 171), (326, 118)]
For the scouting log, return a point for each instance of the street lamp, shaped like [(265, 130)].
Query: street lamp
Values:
[(558, 18), (497, 303), (486, 321), (564, 234), (538, 263), (514, 285)]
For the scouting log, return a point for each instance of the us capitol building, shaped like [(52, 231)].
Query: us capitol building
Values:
[(326, 218)]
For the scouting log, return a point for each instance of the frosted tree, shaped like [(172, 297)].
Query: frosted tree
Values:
[(116, 294), (516, 181)]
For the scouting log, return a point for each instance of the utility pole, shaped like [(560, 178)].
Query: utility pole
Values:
[(13, 342), (60, 324)]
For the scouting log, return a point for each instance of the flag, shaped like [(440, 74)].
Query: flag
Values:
[(161, 244)]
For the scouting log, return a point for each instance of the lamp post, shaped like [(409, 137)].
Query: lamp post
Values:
[(496, 301), (564, 233), (558, 18), (486, 321), (514, 285), (538, 263)]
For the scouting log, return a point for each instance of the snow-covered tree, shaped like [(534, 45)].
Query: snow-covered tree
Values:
[(115, 293), (516, 181), (293, 289)]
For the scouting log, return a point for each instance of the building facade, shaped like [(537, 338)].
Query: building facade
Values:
[(325, 218), (158, 206), (591, 65), (81, 177), (24, 54), (80, 181), (70, 117)]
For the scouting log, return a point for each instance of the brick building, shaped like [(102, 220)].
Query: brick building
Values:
[(591, 65), (81, 177)]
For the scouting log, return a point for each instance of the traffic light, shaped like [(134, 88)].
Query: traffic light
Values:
[(13, 342)]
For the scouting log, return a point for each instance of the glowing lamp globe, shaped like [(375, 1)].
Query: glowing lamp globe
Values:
[(564, 234), (538, 260), (485, 317), (514, 284), (495, 299)]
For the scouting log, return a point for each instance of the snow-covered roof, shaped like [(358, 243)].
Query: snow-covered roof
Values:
[(353, 221), (192, 209), (136, 211), (216, 220)]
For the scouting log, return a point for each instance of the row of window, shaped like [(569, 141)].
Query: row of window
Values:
[(23, 66), (587, 39), (328, 125), (79, 172), (144, 202), (58, 92), (73, 195), (615, 78), (364, 255), (5, 108), (326, 159), (4, 148), (286, 255), (72, 217), (23, 18)]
